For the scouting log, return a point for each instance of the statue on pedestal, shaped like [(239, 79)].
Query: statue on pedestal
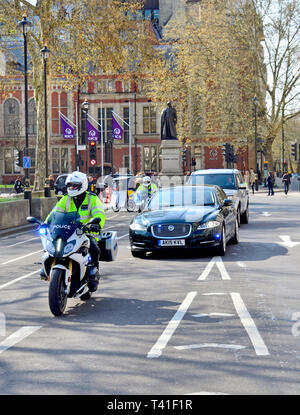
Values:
[(168, 123)]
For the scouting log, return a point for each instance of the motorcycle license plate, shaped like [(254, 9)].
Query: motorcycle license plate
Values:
[(171, 242)]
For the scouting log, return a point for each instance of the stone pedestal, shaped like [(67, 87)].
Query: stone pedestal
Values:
[(171, 159)]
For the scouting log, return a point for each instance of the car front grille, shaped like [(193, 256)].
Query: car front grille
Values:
[(171, 230)]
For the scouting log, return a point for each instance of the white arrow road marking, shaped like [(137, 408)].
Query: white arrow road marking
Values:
[(18, 279), (249, 325), (204, 345), (287, 241), (218, 261), (163, 340), (17, 337)]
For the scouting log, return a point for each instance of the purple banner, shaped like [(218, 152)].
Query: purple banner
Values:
[(67, 130), (117, 129), (92, 132)]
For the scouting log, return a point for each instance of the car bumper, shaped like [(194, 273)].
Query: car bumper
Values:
[(197, 240)]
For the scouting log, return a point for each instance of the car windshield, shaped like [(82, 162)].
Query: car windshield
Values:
[(182, 197), (225, 181), (63, 225)]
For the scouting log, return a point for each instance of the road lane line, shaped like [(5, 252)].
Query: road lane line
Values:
[(18, 336), (249, 325), (214, 314), (22, 242), (221, 267), (21, 257), (204, 345), (163, 340), (18, 279), (123, 236)]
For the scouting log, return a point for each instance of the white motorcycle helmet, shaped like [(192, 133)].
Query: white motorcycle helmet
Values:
[(76, 183), (146, 180)]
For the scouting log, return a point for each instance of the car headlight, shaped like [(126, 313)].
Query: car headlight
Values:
[(209, 225), (137, 226)]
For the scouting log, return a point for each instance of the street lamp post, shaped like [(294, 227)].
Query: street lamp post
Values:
[(23, 25), (85, 107), (255, 102), (45, 54), (282, 143)]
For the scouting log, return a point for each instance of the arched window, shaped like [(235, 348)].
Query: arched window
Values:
[(11, 117), (32, 123)]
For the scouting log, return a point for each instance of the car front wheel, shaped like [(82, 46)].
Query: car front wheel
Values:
[(221, 249)]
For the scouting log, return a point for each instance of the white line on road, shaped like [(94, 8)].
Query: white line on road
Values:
[(18, 279), (204, 345), (21, 257), (214, 314), (123, 236), (249, 325), (22, 242), (163, 340), (221, 267), (242, 264), (17, 337)]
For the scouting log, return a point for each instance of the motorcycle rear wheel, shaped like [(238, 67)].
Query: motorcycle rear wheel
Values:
[(57, 296)]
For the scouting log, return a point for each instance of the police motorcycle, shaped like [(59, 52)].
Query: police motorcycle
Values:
[(66, 259)]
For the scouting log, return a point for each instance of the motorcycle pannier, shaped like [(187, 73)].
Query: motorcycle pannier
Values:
[(108, 245)]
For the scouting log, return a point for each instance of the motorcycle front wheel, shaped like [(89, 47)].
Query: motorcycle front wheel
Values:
[(57, 296)]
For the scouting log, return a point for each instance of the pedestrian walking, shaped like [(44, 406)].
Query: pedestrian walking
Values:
[(252, 179), (270, 183), (286, 182), (19, 186)]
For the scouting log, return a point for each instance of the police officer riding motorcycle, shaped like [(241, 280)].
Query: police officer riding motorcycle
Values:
[(88, 206)]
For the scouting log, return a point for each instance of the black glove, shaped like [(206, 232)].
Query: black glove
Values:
[(95, 228)]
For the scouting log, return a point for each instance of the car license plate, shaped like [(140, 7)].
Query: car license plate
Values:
[(171, 242)]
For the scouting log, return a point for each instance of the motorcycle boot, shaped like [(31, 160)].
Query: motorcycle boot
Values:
[(43, 275), (93, 278)]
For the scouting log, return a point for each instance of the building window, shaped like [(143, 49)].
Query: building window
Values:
[(10, 161), (106, 120), (32, 120), (149, 120), (150, 159), (60, 160), (11, 117), (59, 104), (125, 126)]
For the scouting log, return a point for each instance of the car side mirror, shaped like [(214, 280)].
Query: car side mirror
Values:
[(227, 202)]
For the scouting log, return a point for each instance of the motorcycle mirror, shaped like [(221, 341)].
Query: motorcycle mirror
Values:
[(32, 219)]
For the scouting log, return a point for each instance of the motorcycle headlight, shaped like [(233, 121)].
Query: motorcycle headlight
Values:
[(137, 226), (209, 225)]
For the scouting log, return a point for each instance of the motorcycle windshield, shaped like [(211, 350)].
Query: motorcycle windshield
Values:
[(63, 225)]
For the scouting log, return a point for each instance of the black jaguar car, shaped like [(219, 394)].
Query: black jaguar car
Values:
[(185, 217)]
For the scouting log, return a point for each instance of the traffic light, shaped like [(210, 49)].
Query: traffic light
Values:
[(193, 161), (184, 156), (19, 161), (226, 152), (294, 150), (93, 153)]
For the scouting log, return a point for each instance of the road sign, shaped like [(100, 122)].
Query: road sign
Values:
[(26, 162), (93, 162)]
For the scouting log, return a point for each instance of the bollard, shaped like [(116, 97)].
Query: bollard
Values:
[(47, 191)]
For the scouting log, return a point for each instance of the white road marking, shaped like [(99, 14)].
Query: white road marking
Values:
[(17, 337), (18, 279), (249, 325), (163, 340), (221, 267), (123, 236), (21, 257), (2, 324), (287, 241), (22, 242), (214, 314), (266, 214), (204, 345), (242, 264), (214, 294)]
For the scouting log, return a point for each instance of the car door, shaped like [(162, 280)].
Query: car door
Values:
[(241, 192), (228, 213)]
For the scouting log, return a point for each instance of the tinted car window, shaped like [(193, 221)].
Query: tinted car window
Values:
[(225, 181), (194, 196)]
